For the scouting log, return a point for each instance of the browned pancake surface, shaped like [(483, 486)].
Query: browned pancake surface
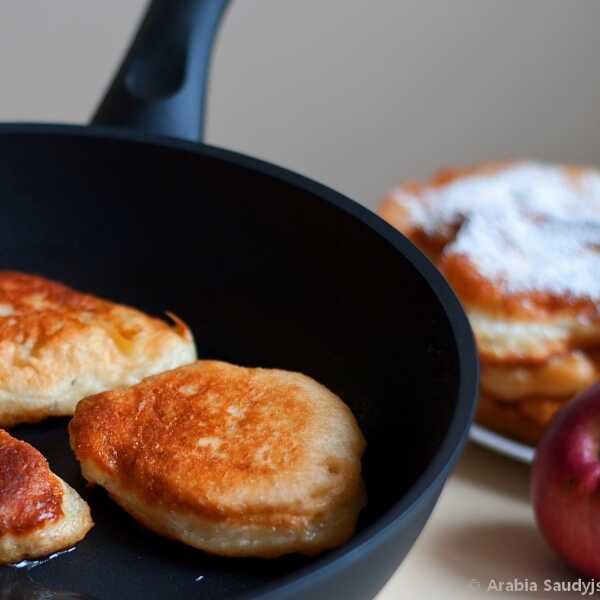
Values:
[(58, 345), (215, 439), (30, 495)]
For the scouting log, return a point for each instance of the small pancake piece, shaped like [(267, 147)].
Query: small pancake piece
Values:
[(520, 244), (235, 461), (39, 512), (58, 345)]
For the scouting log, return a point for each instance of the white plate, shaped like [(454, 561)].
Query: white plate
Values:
[(502, 445)]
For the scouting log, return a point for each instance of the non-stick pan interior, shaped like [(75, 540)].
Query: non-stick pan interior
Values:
[(266, 274)]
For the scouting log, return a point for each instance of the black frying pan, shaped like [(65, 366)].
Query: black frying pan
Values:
[(269, 269)]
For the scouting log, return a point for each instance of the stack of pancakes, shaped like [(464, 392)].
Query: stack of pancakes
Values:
[(520, 244)]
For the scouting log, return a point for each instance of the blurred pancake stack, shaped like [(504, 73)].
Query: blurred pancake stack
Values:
[(520, 244)]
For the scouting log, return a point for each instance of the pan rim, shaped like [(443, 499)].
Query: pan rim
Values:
[(448, 452)]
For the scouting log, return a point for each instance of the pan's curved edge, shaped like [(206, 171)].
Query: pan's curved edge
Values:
[(432, 479)]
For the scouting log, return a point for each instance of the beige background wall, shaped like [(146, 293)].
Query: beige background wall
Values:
[(355, 93)]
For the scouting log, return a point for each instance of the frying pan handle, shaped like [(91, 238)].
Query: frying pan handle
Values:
[(160, 86)]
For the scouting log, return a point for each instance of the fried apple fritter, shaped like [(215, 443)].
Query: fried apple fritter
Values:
[(235, 461)]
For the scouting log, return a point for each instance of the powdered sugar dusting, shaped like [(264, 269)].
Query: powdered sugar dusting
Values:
[(530, 227)]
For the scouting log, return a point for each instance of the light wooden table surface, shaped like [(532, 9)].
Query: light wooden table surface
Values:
[(481, 530)]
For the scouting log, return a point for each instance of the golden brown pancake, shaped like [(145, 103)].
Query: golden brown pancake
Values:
[(232, 460), (58, 345), (39, 512), (520, 244)]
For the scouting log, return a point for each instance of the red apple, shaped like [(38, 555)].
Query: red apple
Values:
[(566, 482)]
